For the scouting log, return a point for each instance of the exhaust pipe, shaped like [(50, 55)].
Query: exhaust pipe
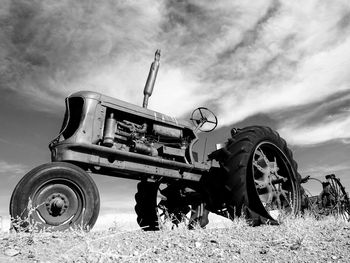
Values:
[(152, 75)]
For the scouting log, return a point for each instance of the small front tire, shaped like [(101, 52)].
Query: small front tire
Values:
[(56, 195)]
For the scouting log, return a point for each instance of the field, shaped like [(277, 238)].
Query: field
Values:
[(302, 239)]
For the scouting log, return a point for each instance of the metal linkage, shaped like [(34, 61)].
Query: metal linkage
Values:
[(333, 199)]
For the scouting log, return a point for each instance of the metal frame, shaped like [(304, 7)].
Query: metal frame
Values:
[(333, 199)]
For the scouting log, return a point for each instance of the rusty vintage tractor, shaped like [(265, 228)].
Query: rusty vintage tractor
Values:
[(253, 173)]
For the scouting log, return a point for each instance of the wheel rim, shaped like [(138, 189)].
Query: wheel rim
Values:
[(274, 180), (58, 202), (339, 201)]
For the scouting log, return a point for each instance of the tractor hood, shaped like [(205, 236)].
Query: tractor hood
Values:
[(132, 109)]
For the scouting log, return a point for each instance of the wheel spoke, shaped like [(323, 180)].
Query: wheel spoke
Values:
[(333, 187), (265, 158), (339, 203), (269, 182), (201, 113), (261, 169)]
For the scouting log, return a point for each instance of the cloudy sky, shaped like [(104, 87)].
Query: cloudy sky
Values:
[(285, 64)]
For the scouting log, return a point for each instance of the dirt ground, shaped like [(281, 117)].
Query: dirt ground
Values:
[(295, 240)]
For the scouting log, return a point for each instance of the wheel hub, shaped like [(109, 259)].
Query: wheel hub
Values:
[(269, 182), (57, 204)]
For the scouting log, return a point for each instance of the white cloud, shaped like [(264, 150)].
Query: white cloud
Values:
[(3, 141), (323, 64), (176, 93), (318, 133), (11, 169), (240, 58), (322, 170), (326, 121)]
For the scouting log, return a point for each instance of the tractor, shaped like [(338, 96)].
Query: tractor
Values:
[(253, 174)]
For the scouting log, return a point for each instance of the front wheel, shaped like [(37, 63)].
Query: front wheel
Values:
[(262, 180), (57, 196)]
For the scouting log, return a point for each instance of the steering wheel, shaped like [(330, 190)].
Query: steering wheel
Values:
[(204, 119)]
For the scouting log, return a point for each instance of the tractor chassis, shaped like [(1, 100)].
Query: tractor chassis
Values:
[(119, 163)]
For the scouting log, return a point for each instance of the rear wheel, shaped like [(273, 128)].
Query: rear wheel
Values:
[(262, 176), (57, 196)]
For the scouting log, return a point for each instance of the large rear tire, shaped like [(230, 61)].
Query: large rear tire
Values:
[(262, 178), (56, 195)]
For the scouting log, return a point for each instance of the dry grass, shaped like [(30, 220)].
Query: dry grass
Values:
[(302, 239)]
